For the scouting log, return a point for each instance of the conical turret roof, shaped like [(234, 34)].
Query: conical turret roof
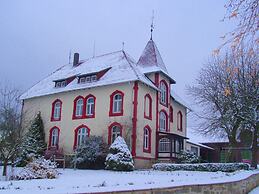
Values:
[(151, 57)]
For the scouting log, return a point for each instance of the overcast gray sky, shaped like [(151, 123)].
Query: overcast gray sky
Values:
[(36, 36)]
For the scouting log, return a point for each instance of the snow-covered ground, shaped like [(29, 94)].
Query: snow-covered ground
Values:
[(79, 181), (255, 191)]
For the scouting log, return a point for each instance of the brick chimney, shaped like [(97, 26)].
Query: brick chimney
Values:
[(76, 60)]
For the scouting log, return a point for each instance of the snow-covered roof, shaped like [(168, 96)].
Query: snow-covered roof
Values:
[(197, 137), (151, 58), (199, 144), (179, 100), (122, 68)]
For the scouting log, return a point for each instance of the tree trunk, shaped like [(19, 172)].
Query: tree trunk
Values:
[(232, 144), (254, 148), (5, 167)]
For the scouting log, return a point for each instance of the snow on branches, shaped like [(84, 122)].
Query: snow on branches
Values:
[(119, 157)]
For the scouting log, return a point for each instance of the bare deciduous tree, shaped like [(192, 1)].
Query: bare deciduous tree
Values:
[(227, 90), (245, 13), (10, 125)]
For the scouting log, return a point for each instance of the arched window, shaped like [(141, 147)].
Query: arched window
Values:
[(115, 130), (90, 106), (54, 137), (116, 103), (164, 145), (171, 114), (148, 106), (56, 110), (163, 92), (81, 134), (147, 139), (179, 121), (78, 112), (79, 107), (162, 121)]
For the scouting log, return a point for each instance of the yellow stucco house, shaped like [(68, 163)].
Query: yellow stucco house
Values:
[(112, 95)]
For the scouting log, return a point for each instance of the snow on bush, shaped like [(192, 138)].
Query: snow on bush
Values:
[(91, 154), (211, 167), (34, 144), (119, 157), (39, 168), (188, 157)]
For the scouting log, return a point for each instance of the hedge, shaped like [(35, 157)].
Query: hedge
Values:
[(210, 167)]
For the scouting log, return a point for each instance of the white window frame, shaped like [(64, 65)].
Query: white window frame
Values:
[(164, 145), (147, 106), (82, 134), (79, 107), (54, 137), (146, 138), (163, 93), (117, 104), (82, 80), (90, 106), (162, 121), (57, 110), (64, 83), (93, 78), (58, 85), (115, 132), (88, 79)]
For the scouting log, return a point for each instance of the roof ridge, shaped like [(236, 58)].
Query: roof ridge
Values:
[(124, 53), (153, 46), (102, 55)]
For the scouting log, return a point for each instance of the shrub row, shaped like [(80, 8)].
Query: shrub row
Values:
[(210, 167)]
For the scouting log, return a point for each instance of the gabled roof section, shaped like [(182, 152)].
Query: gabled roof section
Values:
[(151, 57), (179, 100), (122, 68)]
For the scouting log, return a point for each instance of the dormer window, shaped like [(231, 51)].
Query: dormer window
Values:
[(81, 80), (87, 79), (61, 84)]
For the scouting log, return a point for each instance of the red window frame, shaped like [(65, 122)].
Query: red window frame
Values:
[(74, 109), (111, 113), (110, 131), (53, 109), (166, 119), (171, 115), (149, 114), (76, 133), (50, 137), (148, 150), (167, 89), (180, 125), (86, 98)]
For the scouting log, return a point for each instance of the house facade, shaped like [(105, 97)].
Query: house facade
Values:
[(112, 95)]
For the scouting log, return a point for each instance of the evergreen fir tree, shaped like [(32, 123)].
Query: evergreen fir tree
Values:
[(34, 142), (119, 157)]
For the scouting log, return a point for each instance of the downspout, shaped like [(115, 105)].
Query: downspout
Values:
[(134, 118)]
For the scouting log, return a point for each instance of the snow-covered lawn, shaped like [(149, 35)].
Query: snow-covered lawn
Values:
[(79, 181), (255, 191)]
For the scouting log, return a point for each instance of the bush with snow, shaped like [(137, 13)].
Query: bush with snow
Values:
[(91, 154), (34, 143), (119, 157), (39, 168), (188, 157), (210, 167)]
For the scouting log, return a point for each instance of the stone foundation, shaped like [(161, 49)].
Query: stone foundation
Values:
[(236, 187)]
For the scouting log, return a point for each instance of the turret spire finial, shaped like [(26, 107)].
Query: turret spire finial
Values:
[(152, 24)]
